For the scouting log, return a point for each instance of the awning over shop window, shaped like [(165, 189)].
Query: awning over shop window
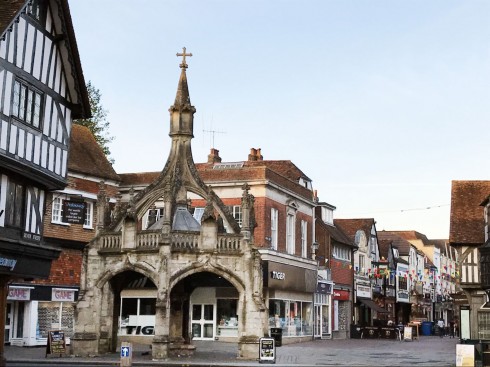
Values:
[(372, 305)]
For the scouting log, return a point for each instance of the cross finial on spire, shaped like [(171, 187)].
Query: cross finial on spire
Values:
[(183, 54)]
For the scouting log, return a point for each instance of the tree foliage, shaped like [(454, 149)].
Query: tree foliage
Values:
[(98, 123)]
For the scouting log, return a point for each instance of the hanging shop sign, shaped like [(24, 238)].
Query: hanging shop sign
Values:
[(74, 212), (324, 288), (341, 295), (363, 291)]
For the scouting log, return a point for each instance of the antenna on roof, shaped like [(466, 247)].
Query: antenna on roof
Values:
[(213, 132)]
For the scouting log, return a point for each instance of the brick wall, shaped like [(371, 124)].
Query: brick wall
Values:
[(65, 270), (342, 272)]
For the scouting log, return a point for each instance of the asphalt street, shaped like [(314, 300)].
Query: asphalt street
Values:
[(426, 351)]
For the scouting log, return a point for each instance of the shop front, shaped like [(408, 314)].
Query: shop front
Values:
[(341, 312), (290, 293), (323, 301), (33, 310)]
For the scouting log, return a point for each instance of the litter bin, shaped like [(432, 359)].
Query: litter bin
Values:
[(426, 328), (276, 333)]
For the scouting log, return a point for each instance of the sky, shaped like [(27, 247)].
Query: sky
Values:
[(381, 103)]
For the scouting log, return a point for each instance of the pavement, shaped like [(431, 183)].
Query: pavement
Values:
[(426, 351)]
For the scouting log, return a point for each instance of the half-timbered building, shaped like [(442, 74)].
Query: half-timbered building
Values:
[(41, 90), (466, 235)]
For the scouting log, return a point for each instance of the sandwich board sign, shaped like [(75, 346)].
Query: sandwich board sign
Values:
[(267, 350), (407, 333), (56, 344)]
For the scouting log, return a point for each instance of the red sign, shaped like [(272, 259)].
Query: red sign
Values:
[(341, 295)]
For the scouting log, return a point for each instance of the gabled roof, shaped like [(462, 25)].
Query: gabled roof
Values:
[(351, 226), (413, 235), (86, 156), (467, 225), (336, 234), (400, 243), (384, 247)]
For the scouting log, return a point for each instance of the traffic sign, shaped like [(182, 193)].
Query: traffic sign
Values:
[(126, 354)]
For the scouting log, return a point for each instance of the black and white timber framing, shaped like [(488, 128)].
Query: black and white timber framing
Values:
[(42, 90)]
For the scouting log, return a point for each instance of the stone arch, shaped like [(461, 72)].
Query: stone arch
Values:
[(211, 268), (120, 268)]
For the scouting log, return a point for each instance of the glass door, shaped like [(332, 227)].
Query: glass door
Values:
[(8, 322), (326, 331), (202, 322), (318, 321)]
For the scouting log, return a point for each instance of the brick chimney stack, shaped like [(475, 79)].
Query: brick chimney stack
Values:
[(255, 155), (214, 157)]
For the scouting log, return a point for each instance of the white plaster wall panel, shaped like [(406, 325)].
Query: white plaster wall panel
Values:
[(64, 163), (13, 140), (8, 92), (31, 33), (21, 144), (57, 72), (49, 22), (28, 217), (68, 123), (3, 197), (10, 54), (58, 156), (48, 44), (3, 48), (37, 150), (44, 154), (2, 80), (19, 41), (63, 86), (3, 134), (38, 55), (51, 158), (48, 105), (29, 152)]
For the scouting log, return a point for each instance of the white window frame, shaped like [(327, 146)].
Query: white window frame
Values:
[(342, 253), (57, 212), (274, 224), (290, 225), (159, 215), (236, 211), (304, 238)]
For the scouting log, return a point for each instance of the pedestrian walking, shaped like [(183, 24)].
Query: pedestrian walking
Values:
[(440, 326), (451, 328)]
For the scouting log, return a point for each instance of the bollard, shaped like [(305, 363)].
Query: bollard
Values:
[(126, 354)]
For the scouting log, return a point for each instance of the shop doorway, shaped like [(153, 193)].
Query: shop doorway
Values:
[(8, 322), (203, 321)]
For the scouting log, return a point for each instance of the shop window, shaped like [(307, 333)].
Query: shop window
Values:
[(294, 317), (52, 314), (483, 325), (137, 316)]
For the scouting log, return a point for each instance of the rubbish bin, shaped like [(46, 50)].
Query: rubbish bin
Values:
[(426, 328), (276, 333)]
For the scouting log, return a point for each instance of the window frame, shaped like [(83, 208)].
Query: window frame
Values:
[(15, 205), (25, 110), (274, 227), (304, 238), (290, 241)]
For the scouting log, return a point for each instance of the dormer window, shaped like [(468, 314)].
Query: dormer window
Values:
[(327, 215)]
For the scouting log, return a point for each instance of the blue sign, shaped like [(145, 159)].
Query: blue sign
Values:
[(125, 351)]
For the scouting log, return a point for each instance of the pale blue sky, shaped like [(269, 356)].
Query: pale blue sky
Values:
[(380, 103)]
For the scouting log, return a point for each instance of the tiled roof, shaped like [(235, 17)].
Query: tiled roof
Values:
[(87, 157), (467, 223), (8, 11), (413, 235), (400, 243), (337, 235), (351, 226), (384, 247), (284, 173)]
